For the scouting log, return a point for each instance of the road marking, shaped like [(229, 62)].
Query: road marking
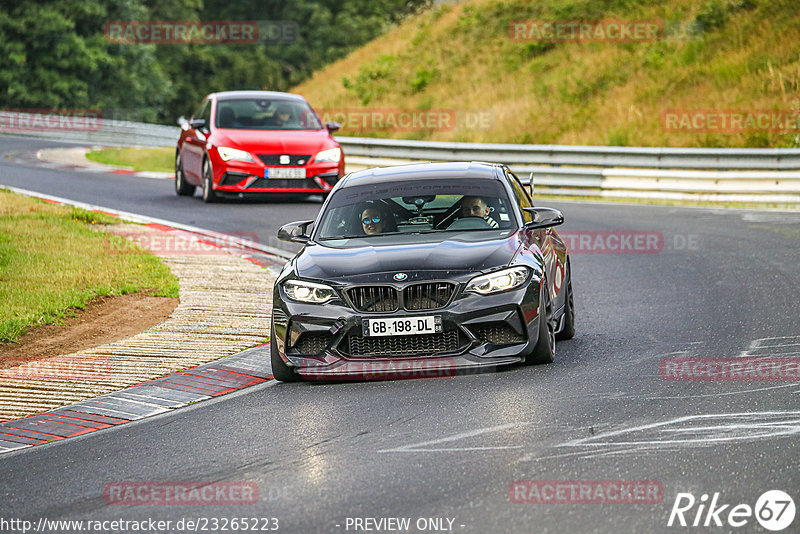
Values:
[(415, 447), (740, 426), (583, 455), (757, 347), (732, 427), (690, 430), (715, 394)]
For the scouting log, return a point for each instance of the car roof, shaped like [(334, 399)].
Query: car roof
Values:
[(424, 171), (231, 95)]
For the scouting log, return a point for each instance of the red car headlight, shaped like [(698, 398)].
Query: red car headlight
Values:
[(228, 154), (332, 155)]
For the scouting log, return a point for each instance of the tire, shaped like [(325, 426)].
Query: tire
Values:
[(568, 332), (280, 371), (209, 195), (182, 187), (545, 347)]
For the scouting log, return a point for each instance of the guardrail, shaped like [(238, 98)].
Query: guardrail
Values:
[(724, 186), (727, 174), (721, 186), (602, 156), (104, 132)]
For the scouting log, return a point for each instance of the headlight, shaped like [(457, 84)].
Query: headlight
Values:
[(308, 291), (332, 155), (504, 280), (227, 154)]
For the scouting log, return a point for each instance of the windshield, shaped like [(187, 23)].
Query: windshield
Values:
[(417, 211), (266, 114)]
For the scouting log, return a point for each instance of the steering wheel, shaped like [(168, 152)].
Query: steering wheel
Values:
[(471, 222)]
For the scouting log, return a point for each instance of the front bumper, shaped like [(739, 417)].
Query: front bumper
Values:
[(246, 177), (327, 341)]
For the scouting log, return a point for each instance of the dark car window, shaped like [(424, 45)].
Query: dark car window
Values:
[(266, 114), (413, 211), (521, 195)]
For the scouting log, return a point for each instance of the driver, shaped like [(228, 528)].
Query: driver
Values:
[(476, 207), (283, 115)]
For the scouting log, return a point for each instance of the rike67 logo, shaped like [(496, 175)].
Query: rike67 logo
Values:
[(774, 510)]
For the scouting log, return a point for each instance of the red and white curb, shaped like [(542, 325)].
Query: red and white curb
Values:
[(248, 368)]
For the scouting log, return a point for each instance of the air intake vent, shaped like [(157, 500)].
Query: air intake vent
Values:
[(419, 345), (428, 296), (275, 159), (497, 333), (312, 342), (374, 298)]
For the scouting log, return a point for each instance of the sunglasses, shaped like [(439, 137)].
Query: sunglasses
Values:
[(366, 220)]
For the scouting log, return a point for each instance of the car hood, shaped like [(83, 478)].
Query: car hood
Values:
[(307, 142), (439, 259)]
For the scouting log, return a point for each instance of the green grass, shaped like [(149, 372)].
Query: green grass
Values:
[(139, 159), (53, 259), (712, 55)]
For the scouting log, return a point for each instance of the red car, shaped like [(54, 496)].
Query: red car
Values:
[(241, 143)]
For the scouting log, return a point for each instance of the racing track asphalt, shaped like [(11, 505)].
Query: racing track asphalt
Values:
[(724, 284)]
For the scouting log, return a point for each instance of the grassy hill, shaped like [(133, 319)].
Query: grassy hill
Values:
[(461, 58)]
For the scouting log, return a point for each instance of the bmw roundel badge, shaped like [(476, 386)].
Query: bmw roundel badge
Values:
[(400, 277)]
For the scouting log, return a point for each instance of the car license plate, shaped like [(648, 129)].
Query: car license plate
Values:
[(285, 172), (402, 326)]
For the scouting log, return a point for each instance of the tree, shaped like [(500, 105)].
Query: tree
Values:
[(54, 54)]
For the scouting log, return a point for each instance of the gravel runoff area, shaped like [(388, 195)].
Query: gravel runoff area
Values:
[(225, 307)]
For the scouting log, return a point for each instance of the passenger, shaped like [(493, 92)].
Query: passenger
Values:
[(476, 207), (372, 221)]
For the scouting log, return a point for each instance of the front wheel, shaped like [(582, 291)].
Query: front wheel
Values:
[(546, 345), (182, 187), (209, 195), (280, 371)]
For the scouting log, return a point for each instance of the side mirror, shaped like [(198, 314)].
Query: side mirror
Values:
[(332, 126), (182, 121), (544, 218), (295, 231), (197, 124)]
